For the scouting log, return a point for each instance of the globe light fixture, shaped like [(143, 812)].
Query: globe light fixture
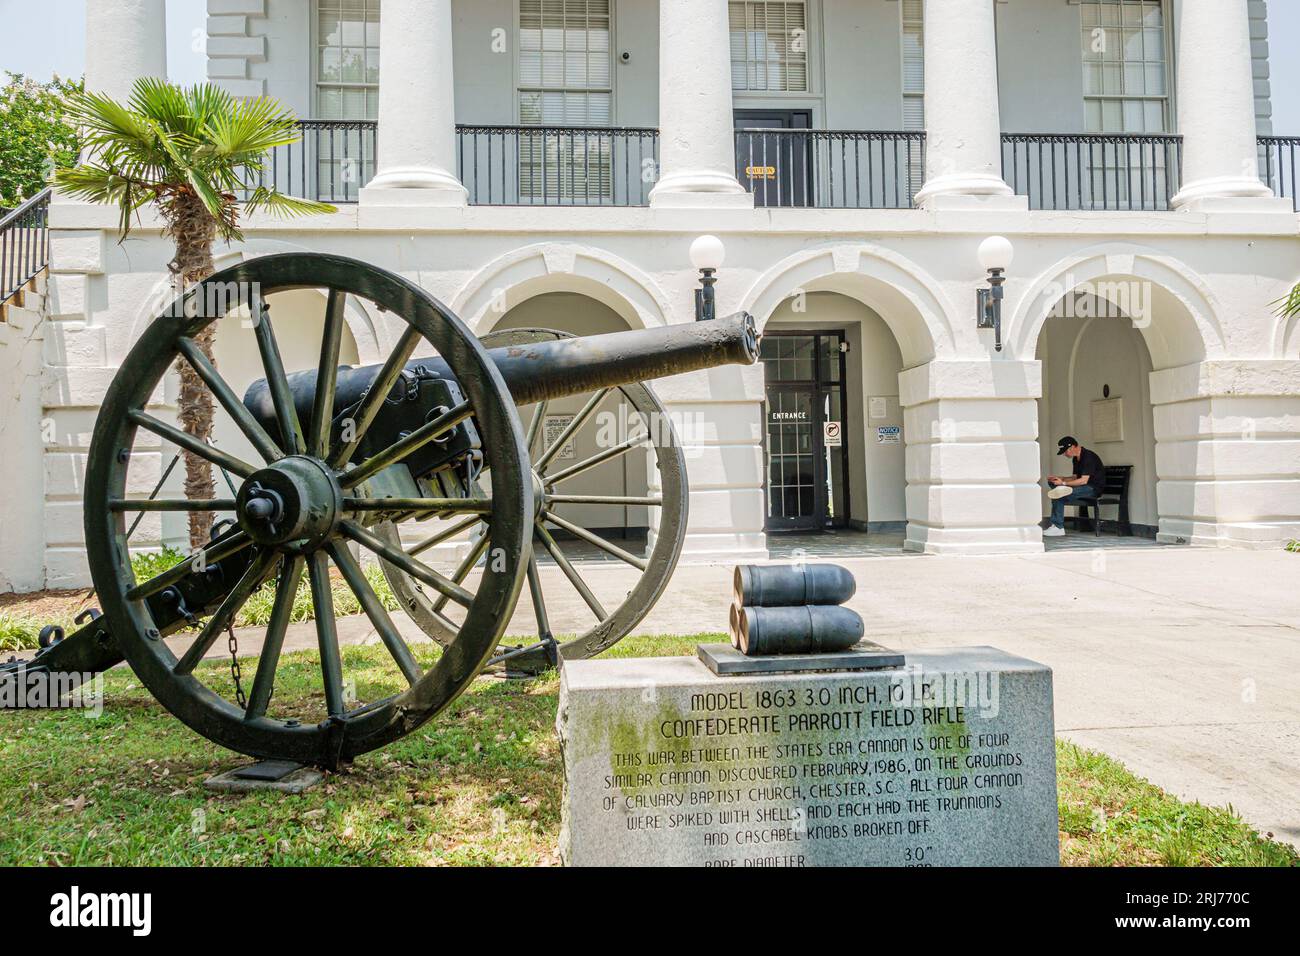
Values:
[(996, 255), (707, 255)]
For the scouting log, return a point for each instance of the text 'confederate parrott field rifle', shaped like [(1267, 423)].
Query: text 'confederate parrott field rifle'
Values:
[(351, 458)]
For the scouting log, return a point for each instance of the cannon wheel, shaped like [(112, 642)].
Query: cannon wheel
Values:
[(614, 623), (311, 470)]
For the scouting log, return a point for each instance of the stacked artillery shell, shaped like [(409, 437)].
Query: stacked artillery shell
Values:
[(793, 609)]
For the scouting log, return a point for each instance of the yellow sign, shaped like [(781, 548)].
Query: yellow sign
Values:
[(760, 172)]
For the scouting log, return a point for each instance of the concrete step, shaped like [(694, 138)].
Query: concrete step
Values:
[(20, 317)]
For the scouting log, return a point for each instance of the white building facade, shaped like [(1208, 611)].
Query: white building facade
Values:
[(549, 162)]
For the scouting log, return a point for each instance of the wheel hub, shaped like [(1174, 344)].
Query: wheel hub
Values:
[(296, 501)]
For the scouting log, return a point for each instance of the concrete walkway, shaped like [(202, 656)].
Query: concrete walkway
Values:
[(1183, 663)]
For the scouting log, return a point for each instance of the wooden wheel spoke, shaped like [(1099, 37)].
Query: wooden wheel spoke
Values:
[(171, 504), (597, 540), (463, 569), (281, 397), (539, 602), (206, 557), (535, 426), (399, 558), (450, 505), (652, 501), (225, 396), (374, 609), (327, 374), (225, 612), (614, 451), (444, 535), (327, 635), (286, 589), (192, 444), (404, 446), (373, 399), (569, 430), (570, 572)]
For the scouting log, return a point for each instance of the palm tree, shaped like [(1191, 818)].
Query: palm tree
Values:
[(191, 152)]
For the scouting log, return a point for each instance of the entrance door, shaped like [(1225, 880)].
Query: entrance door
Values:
[(807, 443), (776, 167)]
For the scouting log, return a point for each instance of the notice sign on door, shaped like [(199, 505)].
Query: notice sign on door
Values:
[(832, 434), (554, 427), (889, 434), (760, 172)]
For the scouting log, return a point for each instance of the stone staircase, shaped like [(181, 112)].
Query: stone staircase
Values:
[(27, 306)]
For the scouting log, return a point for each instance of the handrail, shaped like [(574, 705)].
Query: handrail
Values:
[(24, 244), (1094, 171), (1278, 166), (831, 168)]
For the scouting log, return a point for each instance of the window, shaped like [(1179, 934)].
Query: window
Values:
[(347, 88), (565, 66), (347, 59), (913, 12), (565, 79), (1125, 74), (769, 46)]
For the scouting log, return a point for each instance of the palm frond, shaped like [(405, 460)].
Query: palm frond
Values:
[(278, 204), (1289, 305), (168, 143)]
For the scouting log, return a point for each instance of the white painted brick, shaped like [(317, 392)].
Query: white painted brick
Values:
[(228, 26), (65, 474), (975, 506), (244, 89), (75, 345), (252, 8), (233, 69), (66, 568), (250, 48), (84, 387), (67, 298), (76, 251)]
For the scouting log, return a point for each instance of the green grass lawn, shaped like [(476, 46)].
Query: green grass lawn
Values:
[(479, 785)]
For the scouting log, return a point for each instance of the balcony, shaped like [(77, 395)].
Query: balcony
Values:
[(1084, 172), (557, 165), (1277, 166), (831, 169), (799, 168)]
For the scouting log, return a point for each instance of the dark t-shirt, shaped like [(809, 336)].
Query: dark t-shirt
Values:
[(1089, 464)]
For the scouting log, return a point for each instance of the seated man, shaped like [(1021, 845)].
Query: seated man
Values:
[(1087, 483)]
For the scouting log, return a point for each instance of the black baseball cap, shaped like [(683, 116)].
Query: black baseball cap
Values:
[(1065, 444)]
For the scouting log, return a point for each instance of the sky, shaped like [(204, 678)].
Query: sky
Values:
[(48, 36)]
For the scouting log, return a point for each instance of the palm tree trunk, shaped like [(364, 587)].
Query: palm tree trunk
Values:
[(193, 230)]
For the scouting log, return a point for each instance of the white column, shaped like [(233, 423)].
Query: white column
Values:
[(125, 40), (697, 140), (1216, 103), (417, 107), (962, 122)]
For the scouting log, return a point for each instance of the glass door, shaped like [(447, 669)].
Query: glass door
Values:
[(806, 431)]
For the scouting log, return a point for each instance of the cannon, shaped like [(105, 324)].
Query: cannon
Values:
[(424, 452)]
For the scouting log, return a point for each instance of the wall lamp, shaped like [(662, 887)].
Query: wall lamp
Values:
[(996, 254), (707, 255)]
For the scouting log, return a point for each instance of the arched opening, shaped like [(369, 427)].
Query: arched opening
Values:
[(1099, 341), (834, 427), (1097, 389)]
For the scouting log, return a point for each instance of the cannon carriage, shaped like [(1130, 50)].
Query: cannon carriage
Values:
[(426, 451)]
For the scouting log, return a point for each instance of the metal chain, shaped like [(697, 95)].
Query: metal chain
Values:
[(235, 674)]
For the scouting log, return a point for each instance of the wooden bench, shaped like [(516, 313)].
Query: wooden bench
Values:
[(1118, 478)]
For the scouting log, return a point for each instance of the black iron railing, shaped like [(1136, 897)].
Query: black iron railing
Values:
[(330, 163), (1277, 166), (831, 169), (24, 244), (1086, 171), (558, 165)]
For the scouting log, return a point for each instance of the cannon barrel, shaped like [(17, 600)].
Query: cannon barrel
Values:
[(560, 368)]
